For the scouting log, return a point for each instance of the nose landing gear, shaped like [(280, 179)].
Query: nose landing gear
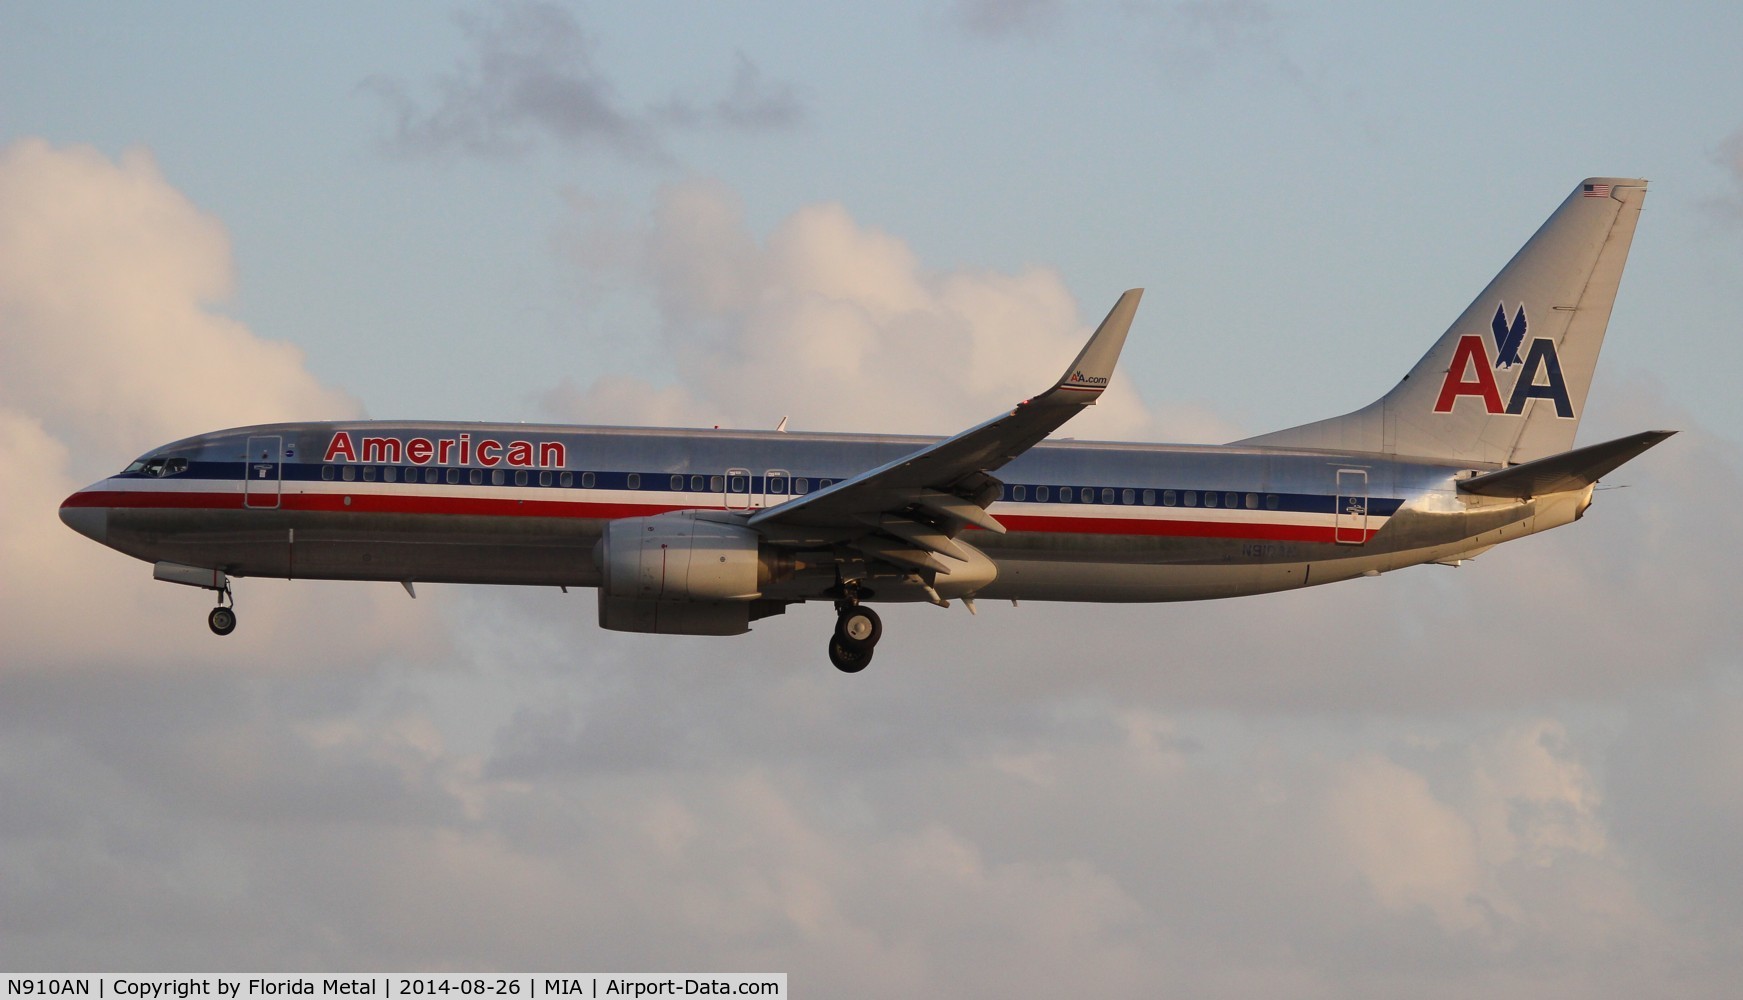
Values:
[(223, 617), (222, 620), (857, 631)]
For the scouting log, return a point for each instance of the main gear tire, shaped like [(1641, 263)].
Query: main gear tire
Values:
[(848, 657), (859, 625)]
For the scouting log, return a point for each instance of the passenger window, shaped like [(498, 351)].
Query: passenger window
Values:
[(738, 485), (327, 472), (520, 477), (717, 484), (1043, 493), (1252, 501), (547, 477), (1270, 501), (369, 473), (1231, 500), (567, 479), (1128, 496), (698, 484), (390, 474), (1065, 494), (1087, 495), (635, 480), (824, 484), (348, 473), (429, 475), (1209, 499), (1168, 498), (677, 484), (498, 477), (453, 477), (1189, 498), (801, 486), (1019, 493), (777, 484), (475, 477), (1149, 498), (587, 480)]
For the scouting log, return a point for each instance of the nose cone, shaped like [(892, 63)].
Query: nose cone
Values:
[(90, 521)]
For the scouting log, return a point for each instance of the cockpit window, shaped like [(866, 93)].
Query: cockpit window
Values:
[(158, 466)]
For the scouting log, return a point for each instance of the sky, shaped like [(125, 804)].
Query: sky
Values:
[(1523, 777)]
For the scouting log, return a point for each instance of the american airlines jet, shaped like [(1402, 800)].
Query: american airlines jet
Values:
[(702, 532)]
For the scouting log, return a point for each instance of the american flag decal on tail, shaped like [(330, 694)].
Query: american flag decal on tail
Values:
[(1596, 190)]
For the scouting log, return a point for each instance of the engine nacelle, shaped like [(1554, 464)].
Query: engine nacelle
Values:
[(678, 574), (629, 614)]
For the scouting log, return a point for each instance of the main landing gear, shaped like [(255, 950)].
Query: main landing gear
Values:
[(857, 631)]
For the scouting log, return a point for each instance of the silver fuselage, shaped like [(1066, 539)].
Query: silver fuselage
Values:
[(1087, 521)]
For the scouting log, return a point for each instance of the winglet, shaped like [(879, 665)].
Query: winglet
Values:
[(1095, 363)]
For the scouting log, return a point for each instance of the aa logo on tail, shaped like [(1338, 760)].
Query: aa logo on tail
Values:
[(1472, 371)]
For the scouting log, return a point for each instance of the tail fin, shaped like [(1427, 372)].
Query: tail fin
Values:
[(1507, 382)]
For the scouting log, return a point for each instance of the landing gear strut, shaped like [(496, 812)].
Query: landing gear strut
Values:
[(223, 617), (857, 631)]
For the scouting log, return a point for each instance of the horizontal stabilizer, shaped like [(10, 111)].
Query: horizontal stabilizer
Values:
[(1570, 470)]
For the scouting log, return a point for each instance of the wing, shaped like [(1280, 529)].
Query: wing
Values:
[(909, 511)]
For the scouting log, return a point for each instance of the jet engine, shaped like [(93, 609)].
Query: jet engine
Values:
[(679, 573)]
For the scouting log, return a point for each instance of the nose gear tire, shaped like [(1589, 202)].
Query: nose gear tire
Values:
[(222, 620)]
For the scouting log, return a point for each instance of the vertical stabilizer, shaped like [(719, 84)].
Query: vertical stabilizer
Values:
[(1507, 382)]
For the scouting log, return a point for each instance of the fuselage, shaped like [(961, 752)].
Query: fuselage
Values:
[(527, 504)]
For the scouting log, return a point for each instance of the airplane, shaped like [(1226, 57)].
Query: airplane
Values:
[(702, 532)]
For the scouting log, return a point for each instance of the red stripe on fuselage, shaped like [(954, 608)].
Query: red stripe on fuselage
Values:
[(399, 503)]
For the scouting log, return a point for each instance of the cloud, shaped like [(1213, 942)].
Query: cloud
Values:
[(1194, 40), (110, 345), (108, 276), (1000, 19), (531, 75), (946, 873), (1729, 155), (751, 104), (828, 310)]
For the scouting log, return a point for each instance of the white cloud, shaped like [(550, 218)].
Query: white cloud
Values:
[(840, 326), (109, 345), (108, 335), (1411, 848)]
